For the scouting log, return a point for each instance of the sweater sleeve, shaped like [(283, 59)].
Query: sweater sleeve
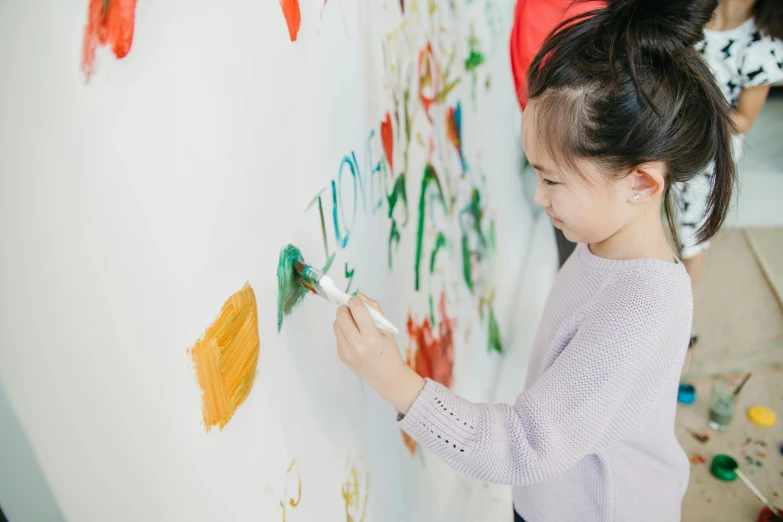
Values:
[(593, 394)]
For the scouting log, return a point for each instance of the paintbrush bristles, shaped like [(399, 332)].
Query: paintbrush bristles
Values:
[(226, 358), (289, 286), (309, 277)]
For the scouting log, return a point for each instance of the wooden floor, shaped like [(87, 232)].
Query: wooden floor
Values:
[(740, 324)]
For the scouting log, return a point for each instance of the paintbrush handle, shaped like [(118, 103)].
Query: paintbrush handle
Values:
[(339, 297), (380, 321), (739, 388), (758, 493)]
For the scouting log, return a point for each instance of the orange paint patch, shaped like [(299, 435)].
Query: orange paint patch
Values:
[(226, 358), (292, 17), (409, 442), (697, 459), (109, 22)]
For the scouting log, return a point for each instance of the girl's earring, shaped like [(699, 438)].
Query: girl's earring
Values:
[(635, 197)]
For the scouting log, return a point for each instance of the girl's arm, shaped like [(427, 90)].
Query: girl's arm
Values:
[(751, 100), (596, 391)]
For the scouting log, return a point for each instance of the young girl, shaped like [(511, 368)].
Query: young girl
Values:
[(621, 106), (742, 45)]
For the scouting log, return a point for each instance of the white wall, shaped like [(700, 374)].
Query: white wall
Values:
[(133, 206)]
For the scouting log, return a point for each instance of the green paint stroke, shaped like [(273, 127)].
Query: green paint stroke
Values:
[(289, 290), (475, 58), (430, 177), (398, 195), (329, 258), (494, 343), (394, 237), (466, 262), (475, 216), (440, 242), (349, 276), (474, 208)]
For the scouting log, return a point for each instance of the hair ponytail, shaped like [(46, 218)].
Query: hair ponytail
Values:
[(629, 84)]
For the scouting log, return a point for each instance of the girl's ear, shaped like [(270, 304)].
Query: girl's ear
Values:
[(648, 180)]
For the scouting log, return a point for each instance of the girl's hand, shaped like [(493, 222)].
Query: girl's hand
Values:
[(373, 354)]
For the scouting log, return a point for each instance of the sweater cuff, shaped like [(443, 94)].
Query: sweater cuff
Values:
[(441, 421)]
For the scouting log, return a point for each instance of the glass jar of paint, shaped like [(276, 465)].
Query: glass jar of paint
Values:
[(722, 402)]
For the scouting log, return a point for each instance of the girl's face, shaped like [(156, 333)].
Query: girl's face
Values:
[(587, 206)]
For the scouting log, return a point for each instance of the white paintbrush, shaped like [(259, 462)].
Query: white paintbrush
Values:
[(319, 283)]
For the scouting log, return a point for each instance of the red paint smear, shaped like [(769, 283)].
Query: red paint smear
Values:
[(434, 357), (292, 18), (388, 140), (112, 26), (452, 129), (697, 459)]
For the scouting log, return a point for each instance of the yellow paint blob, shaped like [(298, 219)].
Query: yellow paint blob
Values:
[(762, 416), (226, 358)]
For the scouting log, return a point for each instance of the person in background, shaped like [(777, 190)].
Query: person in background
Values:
[(533, 21), (743, 48)]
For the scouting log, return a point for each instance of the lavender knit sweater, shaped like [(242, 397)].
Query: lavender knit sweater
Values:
[(592, 436)]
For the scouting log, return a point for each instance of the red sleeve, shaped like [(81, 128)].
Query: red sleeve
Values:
[(533, 21)]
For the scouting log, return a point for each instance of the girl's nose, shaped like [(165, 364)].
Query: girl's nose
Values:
[(541, 198)]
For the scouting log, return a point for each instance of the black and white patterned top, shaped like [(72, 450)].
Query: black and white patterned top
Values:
[(742, 57)]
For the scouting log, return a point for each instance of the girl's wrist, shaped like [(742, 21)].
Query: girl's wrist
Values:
[(402, 389)]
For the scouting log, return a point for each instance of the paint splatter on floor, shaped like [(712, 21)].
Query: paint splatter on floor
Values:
[(356, 490), (292, 17), (697, 459), (109, 22), (700, 437), (226, 358), (290, 292)]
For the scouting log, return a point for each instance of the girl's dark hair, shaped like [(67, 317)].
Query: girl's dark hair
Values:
[(768, 16), (623, 85)]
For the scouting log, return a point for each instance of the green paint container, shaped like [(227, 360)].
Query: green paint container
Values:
[(724, 468)]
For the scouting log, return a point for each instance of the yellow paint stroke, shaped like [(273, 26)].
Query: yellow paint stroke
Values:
[(356, 490), (226, 358), (288, 501)]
